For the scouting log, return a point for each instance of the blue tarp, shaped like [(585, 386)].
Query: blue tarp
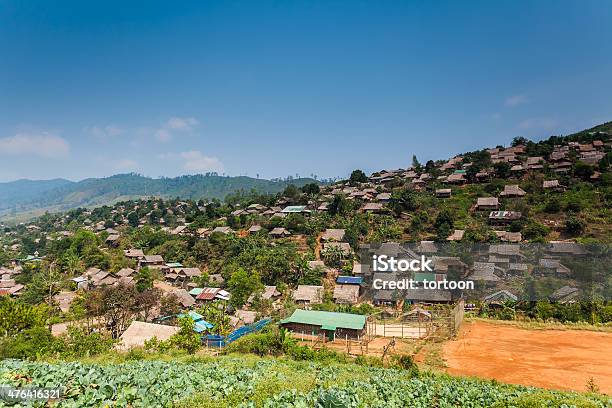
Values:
[(195, 316), (201, 325), (215, 340), (349, 280)]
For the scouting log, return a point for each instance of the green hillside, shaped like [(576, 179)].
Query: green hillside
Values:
[(35, 197)]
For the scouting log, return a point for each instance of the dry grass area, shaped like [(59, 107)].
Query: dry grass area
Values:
[(554, 359)]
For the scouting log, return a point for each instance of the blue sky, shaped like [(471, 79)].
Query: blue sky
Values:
[(277, 88)]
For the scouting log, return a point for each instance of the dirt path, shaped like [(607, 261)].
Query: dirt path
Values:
[(318, 246), (554, 359)]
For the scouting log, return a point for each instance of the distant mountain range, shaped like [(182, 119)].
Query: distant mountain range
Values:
[(23, 199)]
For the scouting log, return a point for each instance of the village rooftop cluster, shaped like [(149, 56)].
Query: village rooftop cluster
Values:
[(307, 220)]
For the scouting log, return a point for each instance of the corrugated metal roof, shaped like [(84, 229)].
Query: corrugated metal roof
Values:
[(174, 264), (294, 209), (351, 280), (329, 320), (208, 294), (422, 276)]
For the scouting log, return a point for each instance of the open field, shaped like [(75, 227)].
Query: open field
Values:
[(554, 359)]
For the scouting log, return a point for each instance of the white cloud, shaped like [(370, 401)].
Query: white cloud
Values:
[(125, 164), (194, 161), (538, 123), (44, 145), (163, 135), (106, 132), (516, 100), (182, 123), (175, 125)]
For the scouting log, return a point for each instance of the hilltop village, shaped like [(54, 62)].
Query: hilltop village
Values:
[(137, 268)]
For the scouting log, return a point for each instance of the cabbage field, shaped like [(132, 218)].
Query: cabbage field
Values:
[(253, 382)]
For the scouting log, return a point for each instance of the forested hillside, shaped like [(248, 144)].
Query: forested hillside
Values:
[(23, 196)]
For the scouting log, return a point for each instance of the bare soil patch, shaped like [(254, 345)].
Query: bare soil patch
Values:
[(375, 347), (554, 359)]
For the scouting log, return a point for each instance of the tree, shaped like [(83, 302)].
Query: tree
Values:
[(295, 222), (403, 200), (311, 189), (186, 338), (169, 305), (214, 313), (444, 224), (333, 255), (72, 262), (133, 219), (241, 285), (17, 316), (44, 285), (583, 170), (145, 301), (358, 176), (173, 249), (604, 163), (502, 169), (312, 276), (480, 159), (291, 191), (415, 164), (339, 206), (4, 258), (86, 245), (144, 279), (430, 166), (202, 280), (574, 226), (519, 141), (115, 304)]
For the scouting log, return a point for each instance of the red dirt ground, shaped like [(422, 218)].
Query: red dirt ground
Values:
[(554, 359)]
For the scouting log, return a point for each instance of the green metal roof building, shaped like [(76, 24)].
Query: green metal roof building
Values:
[(294, 209), (333, 324)]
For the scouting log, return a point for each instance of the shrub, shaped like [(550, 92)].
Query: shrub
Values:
[(30, 344), (186, 338), (405, 362), (553, 205), (534, 231), (573, 205), (574, 226)]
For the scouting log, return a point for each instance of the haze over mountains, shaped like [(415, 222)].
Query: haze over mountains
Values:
[(25, 198)]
